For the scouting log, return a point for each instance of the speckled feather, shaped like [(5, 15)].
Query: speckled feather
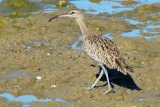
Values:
[(103, 50)]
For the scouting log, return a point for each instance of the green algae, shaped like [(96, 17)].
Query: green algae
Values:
[(2, 24), (17, 15), (95, 1), (17, 27), (96, 27), (3, 34), (29, 25), (148, 8), (142, 13), (128, 2), (61, 3), (18, 6), (72, 7), (154, 54), (158, 95)]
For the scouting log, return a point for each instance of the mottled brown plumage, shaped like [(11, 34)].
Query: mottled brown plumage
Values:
[(104, 51), (100, 49)]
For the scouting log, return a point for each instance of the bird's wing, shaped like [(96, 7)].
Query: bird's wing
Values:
[(106, 52), (116, 59)]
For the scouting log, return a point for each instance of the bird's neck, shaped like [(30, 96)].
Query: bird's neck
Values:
[(82, 26)]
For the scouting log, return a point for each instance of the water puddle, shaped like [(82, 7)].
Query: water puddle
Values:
[(28, 47), (60, 100), (149, 27), (131, 21), (23, 98), (108, 36), (136, 32), (75, 44), (27, 99)]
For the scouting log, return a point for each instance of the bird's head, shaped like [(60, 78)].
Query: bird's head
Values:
[(73, 14)]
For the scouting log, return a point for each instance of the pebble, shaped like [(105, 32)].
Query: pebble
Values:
[(48, 54), (53, 86), (39, 77)]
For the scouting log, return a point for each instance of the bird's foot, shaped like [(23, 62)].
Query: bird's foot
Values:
[(88, 88), (109, 91)]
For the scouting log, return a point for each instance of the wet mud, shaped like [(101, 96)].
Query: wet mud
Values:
[(38, 58)]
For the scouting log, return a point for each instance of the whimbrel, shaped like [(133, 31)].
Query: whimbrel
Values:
[(101, 49)]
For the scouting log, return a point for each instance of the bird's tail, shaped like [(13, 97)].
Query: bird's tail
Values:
[(123, 67)]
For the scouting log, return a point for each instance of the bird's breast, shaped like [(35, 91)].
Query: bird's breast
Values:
[(95, 52)]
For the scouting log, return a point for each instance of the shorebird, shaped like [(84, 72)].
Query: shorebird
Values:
[(101, 49)]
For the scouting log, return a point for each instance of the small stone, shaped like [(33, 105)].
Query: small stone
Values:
[(53, 86), (61, 3), (155, 88), (39, 77), (48, 54), (98, 29)]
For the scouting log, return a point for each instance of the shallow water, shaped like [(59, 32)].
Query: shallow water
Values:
[(136, 33), (131, 21), (108, 36), (23, 98), (74, 45), (27, 99)]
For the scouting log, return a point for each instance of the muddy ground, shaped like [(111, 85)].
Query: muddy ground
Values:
[(30, 46)]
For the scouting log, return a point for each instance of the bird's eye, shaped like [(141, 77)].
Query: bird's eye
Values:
[(72, 13)]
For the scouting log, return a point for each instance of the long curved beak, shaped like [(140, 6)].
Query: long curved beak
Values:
[(62, 15)]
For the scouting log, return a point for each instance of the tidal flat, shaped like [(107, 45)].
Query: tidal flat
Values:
[(37, 58)]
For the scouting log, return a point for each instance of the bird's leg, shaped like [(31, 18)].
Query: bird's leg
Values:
[(110, 89), (93, 85)]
